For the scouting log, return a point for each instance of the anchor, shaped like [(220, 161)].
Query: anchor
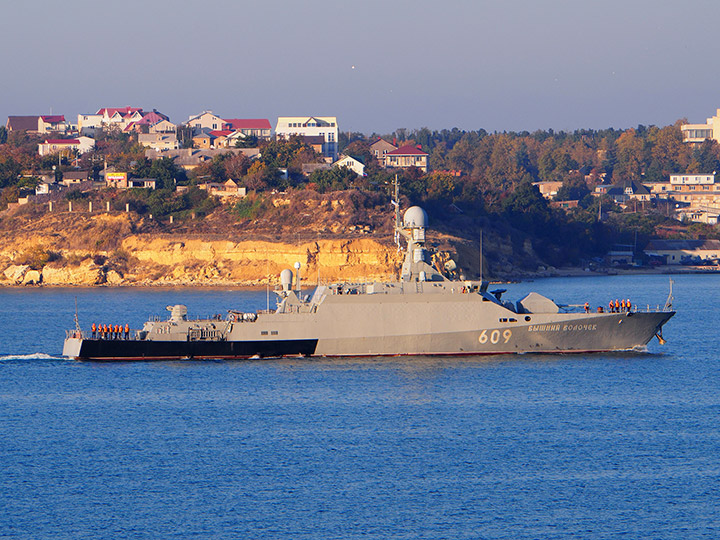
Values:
[(660, 338)]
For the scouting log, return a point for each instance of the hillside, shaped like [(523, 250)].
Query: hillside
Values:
[(341, 236)]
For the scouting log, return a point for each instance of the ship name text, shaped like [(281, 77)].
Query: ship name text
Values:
[(561, 327)]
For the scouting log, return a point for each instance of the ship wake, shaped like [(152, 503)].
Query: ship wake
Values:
[(28, 357)]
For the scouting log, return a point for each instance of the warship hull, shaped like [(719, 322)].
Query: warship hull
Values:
[(377, 329)]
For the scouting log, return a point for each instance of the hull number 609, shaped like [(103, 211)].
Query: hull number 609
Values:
[(494, 336)]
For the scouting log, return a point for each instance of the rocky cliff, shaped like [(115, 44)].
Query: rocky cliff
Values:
[(104, 249)]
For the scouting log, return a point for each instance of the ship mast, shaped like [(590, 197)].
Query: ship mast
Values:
[(396, 203)]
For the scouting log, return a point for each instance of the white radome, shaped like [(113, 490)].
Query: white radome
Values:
[(415, 217)]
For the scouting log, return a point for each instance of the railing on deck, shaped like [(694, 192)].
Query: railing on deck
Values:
[(105, 336), (647, 308)]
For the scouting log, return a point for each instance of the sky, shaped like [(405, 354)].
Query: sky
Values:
[(504, 65)]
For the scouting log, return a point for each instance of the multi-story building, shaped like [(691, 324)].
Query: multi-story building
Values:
[(159, 141), (406, 157), (697, 133), (380, 148), (312, 126), (696, 190), (205, 121)]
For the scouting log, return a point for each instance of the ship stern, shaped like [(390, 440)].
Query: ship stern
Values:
[(72, 346)]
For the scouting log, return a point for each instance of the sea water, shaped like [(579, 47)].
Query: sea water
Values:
[(525, 447)]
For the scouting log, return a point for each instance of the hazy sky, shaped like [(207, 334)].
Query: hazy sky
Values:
[(501, 65)]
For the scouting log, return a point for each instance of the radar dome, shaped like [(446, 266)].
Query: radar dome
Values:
[(286, 279), (415, 217)]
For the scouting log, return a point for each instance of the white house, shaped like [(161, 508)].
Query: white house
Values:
[(313, 126), (53, 146), (351, 163)]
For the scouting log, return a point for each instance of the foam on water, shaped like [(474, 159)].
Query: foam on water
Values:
[(31, 356)]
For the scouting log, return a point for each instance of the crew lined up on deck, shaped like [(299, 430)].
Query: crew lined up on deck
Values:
[(619, 306), (110, 331), (614, 306)]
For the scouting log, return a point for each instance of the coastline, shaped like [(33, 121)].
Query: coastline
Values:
[(562, 272)]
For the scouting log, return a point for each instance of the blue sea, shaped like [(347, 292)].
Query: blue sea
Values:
[(528, 447)]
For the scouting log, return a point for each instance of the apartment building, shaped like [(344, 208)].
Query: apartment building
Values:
[(312, 126)]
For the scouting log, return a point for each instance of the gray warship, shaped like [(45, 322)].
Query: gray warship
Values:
[(426, 312)]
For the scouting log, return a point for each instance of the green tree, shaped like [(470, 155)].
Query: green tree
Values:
[(251, 141), (334, 179), (527, 208)]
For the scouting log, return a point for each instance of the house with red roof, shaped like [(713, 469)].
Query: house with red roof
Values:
[(406, 157), (47, 123), (250, 127), (66, 146), (50, 123), (118, 112), (109, 117), (221, 138), (149, 120)]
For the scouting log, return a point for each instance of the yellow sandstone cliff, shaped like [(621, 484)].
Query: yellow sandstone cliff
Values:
[(103, 250)]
